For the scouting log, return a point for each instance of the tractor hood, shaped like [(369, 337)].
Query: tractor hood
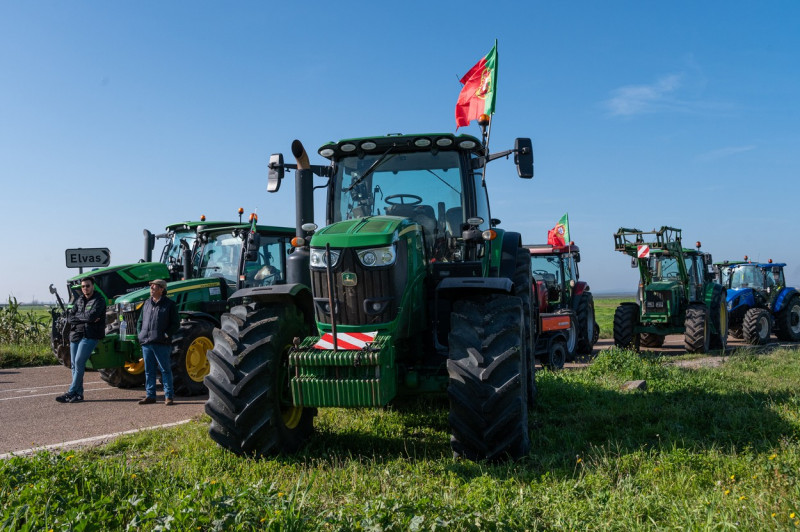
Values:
[(372, 231), (131, 273), (175, 289), (661, 286)]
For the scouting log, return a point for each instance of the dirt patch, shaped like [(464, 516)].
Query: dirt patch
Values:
[(696, 363)]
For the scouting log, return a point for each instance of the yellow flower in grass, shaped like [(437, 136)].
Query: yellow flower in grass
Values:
[(742, 498), (727, 492), (133, 475), (773, 456), (791, 515)]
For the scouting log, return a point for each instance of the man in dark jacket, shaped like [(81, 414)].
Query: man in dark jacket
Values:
[(87, 320), (158, 322)]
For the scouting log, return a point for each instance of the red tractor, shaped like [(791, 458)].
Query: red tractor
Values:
[(566, 307)]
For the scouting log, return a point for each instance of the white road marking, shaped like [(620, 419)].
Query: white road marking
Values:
[(61, 392), (83, 441)]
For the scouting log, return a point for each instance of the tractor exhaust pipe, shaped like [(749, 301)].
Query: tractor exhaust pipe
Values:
[(298, 263)]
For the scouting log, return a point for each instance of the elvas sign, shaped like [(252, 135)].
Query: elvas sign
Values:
[(88, 257)]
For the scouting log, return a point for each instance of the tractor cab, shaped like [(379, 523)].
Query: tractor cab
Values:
[(555, 274)]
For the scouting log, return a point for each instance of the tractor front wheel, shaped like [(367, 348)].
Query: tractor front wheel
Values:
[(131, 375), (556, 354), (697, 333), (189, 361), (789, 321), (625, 319), (756, 326), (719, 320), (249, 398), (652, 340), (487, 386)]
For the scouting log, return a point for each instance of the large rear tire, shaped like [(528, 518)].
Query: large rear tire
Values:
[(189, 360), (131, 375), (788, 320), (584, 312), (625, 319), (756, 326), (59, 337), (487, 390), (697, 333), (249, 399)]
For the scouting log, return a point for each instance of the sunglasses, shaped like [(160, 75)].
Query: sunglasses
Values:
[(86, 286)]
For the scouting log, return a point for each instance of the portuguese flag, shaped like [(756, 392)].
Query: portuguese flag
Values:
[(479, 91), (559, 235)]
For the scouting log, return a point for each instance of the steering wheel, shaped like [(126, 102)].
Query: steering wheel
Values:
[(540, 272), (413, 199), (672, 275)]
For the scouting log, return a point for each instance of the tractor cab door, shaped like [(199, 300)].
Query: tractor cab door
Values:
[(695, 268)]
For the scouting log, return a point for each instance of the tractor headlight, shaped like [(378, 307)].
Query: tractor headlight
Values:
[(126, 307), (376, 257), (319, 257)]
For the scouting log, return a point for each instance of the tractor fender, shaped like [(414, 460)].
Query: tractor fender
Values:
[(512, 241), (784, 296), (452, 287), (296, 294), (580, 288), (742, 296), (199, 316)]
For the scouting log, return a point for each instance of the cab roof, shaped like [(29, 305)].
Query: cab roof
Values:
[(546, 249)]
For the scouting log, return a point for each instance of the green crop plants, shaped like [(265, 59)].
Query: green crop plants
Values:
[(24, 336)]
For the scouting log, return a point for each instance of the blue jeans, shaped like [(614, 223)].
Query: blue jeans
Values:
[(79, 353), (157, 355)]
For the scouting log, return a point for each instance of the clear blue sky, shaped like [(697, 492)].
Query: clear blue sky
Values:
[(119, 116)]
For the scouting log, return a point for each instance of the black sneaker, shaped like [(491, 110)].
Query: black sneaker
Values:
[(75, 398), (64, 398)]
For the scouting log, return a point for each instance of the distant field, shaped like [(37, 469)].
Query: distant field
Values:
[(604, 308)]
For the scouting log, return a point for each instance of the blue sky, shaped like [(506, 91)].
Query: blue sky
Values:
[(120, 116)]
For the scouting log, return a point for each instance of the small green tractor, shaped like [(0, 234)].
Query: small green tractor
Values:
[(677, 294), (114, 281), (226, 258), (410, 288)]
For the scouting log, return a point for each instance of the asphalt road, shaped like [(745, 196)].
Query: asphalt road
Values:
[(31, 418)]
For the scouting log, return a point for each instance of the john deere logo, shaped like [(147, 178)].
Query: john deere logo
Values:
[(349, 279)]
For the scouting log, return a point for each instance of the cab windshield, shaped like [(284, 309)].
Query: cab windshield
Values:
[(172, 249), (663, 268), (219, 257), (424, 186), (744, 276)]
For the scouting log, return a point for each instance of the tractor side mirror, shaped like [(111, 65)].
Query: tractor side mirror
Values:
[(523, 157), (634, 262), (253, 246), (149, 244), (275, 174)]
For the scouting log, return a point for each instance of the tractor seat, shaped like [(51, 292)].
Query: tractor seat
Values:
[(422, 214)]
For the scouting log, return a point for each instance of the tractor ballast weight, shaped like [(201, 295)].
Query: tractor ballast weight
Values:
[(677, 293), (399, 294), (759, 302)]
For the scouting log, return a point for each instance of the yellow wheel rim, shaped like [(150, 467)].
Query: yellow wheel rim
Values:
[(135, 368), (723, 319), (291, 416), (197, 365)]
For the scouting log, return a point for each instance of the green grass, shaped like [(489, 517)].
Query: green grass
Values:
[(710, 448), (24, 335), (604, 308)]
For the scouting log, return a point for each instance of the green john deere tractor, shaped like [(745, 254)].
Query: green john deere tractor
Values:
[(677, 294), (226, 258), (114, 281), (410, 288)]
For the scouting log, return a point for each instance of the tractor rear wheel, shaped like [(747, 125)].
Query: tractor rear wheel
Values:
[(59, 338), (789, 321), (756, 326), (625, 319), (584, 312), (131, 375), (719, 319), (697, 329), (556, 354), (651, 340), (487, 389), (736, 332), (249, 399), (189, 361)]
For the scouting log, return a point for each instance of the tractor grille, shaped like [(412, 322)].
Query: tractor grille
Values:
[(371, 300), (131, 317), (657, 301)]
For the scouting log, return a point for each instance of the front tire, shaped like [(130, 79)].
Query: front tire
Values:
[(697, 333), (556, 355), (189, 360), (756, 326), (625, 319), (789, 321), (651, 340), (719, 320), (487, 389), (249, 399)]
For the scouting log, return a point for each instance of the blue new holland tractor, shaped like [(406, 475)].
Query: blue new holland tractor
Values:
[(759, 302)]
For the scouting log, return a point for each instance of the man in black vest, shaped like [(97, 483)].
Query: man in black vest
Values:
[(158, 322)]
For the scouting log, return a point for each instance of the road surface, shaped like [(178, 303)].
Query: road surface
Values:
[(31, 418)]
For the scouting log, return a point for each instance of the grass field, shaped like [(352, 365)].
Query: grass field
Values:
[(604, 308), (702, 449)]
